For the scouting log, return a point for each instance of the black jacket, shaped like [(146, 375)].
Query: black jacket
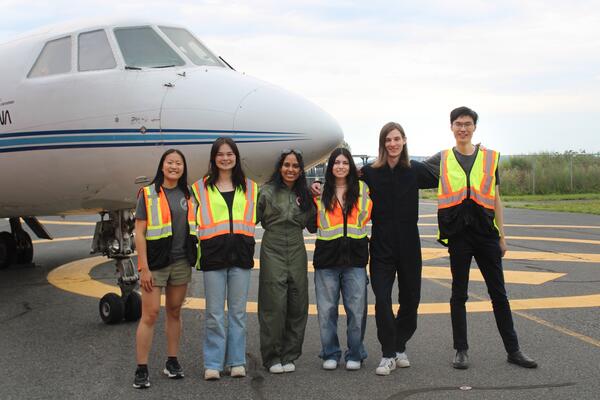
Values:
[(395, 195)]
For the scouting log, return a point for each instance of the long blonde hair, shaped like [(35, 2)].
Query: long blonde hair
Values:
[(382, 158)]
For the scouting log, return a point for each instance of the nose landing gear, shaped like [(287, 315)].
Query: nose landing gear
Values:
[(114, 239)]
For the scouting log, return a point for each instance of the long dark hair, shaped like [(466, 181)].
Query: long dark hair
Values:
[(382, 158), (300, 187), (352, 193), (159, 178), (238, 178)]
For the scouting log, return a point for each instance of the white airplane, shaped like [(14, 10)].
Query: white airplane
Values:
[(87, 109)]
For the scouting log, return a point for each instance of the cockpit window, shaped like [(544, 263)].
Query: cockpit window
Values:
[(95, 52), (143, 47), (191, 47), (55, 58)]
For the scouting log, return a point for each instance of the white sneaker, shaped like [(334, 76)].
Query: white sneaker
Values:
[(211, 375), (352, 365), (402, 360), (330, 364), (238, 371), (289, 367), (276, 369), (386, 366)]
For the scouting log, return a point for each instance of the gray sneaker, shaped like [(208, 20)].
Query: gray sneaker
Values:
[(141, 380), (173, 370)]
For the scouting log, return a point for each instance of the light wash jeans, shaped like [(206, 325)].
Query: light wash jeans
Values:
[(225, 345), (351, 282)]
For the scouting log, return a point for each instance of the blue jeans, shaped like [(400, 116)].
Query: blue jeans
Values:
[(352, 283), (221, 345)]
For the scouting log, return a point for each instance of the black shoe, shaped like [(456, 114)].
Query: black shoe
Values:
[(521, 359), (461, 360), (173, 370), (141, 380)]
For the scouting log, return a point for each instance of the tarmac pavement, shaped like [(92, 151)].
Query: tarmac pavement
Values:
[(54, 345)]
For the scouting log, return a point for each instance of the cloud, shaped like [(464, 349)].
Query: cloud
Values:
[(367, 63)]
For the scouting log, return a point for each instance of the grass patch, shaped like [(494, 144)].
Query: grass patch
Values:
[(583, 203)]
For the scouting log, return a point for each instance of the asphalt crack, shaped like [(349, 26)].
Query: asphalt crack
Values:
[(26, 309)]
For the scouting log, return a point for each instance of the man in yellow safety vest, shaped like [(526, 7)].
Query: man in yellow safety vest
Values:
[(470, 220)]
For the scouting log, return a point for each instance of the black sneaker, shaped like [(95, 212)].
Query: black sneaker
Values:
[(141, 380), (173, 370)]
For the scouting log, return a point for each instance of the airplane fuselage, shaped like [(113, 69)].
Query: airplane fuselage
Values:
[(85, 141)]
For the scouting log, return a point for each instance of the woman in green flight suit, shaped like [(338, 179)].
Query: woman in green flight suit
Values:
[(284, 208)]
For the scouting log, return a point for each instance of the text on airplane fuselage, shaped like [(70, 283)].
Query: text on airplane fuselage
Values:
[(5, 118)]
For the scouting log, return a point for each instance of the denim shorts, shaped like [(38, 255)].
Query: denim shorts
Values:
[(177, 273)]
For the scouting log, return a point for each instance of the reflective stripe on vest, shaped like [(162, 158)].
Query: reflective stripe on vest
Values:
[(158, 223), (331, 223), (452, 188), (213, 213)]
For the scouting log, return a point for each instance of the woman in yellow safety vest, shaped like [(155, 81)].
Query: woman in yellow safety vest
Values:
[(165, 238), (226, 219), (341, 255), (284, 210)]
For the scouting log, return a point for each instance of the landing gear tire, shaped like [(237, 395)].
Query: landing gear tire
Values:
[(111, 308), (8, 249), (24, 248), (133, 307)]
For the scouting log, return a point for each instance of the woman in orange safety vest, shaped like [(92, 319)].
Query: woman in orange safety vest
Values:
[(165, 238), (341, 255)]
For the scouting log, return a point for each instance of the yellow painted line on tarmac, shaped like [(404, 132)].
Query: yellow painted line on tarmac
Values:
[(541, 238), (554, 226), (61, 239), (430, 253), (519, 277), (542, 256), (555, 239), (515, 310), (75, 277), (531, 226), (559, 328), (53, 222)]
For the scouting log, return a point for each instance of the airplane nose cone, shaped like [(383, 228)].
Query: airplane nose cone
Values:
[(292, 120)]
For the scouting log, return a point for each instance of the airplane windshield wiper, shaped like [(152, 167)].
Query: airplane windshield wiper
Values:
[(132, 67), (222, 59), (164, 66)]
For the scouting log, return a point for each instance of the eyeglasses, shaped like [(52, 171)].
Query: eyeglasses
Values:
[(288, 151), (463, 125)]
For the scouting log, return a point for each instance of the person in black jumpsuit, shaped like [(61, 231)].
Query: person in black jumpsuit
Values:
[(395, 247)]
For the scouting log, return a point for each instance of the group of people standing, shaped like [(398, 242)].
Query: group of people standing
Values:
[(211, 223)]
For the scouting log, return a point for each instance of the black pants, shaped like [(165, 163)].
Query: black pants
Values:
[(487, 253), (394, 331)]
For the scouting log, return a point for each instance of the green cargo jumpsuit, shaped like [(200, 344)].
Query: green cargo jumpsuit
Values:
[(283, 282)]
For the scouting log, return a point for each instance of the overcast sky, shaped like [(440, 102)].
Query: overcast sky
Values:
[(531, 69)]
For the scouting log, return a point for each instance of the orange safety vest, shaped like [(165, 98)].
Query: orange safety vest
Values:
[(330, 224), (159, 216)]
